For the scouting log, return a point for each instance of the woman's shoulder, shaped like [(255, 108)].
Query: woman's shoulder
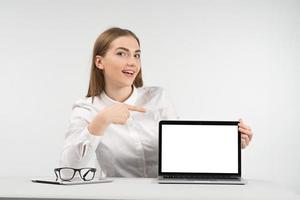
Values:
[(152, 94), (87, 103), (156, 99), (151, 91)]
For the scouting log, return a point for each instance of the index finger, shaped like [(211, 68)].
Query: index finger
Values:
[(135, 108)]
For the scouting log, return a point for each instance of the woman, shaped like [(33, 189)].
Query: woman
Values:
[(115, 126)]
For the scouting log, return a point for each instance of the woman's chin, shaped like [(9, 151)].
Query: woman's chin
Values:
[(127, 83)]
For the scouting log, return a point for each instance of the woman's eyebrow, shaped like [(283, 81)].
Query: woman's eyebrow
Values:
[(127, 50)]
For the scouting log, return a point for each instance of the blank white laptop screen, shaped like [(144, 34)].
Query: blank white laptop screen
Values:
[(199, 148)]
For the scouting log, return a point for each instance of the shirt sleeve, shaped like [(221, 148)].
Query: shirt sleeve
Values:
[(168, 111), (80, 145)]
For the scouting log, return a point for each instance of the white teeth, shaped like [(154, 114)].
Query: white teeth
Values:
[(128, 72)]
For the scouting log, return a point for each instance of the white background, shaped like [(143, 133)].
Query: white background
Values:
[(194, 149), (218, 60)]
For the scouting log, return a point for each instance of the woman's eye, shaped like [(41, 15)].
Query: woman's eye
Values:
[(121, 53)]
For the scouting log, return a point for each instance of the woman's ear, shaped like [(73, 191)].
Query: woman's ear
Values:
[(99, 62)]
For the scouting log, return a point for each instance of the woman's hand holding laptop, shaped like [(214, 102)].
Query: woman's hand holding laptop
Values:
[(246, 134)]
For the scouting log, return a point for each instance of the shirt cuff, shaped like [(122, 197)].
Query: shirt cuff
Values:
[(87, 137)]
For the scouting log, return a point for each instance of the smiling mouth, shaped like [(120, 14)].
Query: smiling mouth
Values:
[(128, 72)]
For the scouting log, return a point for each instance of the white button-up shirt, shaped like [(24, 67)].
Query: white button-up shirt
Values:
[(129, 150)]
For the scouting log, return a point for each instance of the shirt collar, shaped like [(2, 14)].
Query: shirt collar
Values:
[(130, 100)]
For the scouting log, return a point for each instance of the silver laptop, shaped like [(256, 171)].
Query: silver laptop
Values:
[(206, 152)]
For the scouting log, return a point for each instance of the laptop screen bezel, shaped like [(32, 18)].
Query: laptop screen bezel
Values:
[(206, 175)]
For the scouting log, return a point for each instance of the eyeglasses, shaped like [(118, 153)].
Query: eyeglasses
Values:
[(68, 173)]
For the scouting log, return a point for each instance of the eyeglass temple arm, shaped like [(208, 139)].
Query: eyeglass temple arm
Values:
[(84, 175), (56, 174)]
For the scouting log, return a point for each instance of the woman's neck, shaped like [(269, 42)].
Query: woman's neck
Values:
[(119, 94)]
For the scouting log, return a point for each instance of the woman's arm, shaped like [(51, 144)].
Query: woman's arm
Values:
[(115, 114), (80, 145), (86, 130)]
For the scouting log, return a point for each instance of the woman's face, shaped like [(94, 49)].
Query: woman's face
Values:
[(121, 63)]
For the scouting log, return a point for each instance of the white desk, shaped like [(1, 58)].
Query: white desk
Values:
[(142, 188)]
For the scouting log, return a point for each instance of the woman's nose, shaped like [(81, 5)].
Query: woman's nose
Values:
[(131, 61)]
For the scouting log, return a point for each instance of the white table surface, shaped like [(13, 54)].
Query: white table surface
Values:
[(142, 188)]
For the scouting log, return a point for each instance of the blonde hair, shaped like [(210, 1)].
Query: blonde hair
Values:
[(101, 46)]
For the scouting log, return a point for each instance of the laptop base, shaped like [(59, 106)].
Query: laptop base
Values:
[(239, 181)]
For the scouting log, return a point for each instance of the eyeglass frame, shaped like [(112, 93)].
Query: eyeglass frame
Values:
[(58, 176)]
